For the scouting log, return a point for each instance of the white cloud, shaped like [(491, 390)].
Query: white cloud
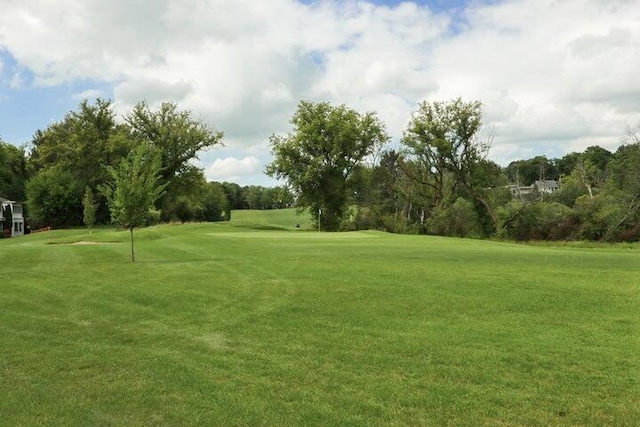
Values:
[(553, 76), (89, 94), (231, 169)]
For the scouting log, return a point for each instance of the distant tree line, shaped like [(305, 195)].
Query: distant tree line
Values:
[(337, 165)]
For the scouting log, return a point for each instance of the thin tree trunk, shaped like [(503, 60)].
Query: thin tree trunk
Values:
[(633, 207), (133, 257)]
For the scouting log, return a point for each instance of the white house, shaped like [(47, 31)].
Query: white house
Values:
[(547, 186), (17, 219)]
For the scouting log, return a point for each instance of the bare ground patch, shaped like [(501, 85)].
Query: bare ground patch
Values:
[(82, 243)]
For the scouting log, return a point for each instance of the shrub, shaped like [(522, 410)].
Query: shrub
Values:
[(459, 220), (537, 221)]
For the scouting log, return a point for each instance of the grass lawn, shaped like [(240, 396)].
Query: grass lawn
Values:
[(222, 324), (279, 219)]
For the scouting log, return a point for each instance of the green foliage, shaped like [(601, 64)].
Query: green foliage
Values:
[(441, 137), (458, 220), (82, 144), (134, 189), (13, 172), (526, 172), (537, 221), (319, 156), (569, 192), (215, 206), (624, 170), (335, 168), (234, 195), (444, 142), (178, 137), (54, 198), (88, 141)]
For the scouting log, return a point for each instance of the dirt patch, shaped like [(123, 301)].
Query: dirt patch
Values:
[(84, 242)]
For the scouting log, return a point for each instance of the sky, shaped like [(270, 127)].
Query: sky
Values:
[(554, 76)]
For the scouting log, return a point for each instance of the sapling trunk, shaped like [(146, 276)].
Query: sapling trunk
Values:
[(133, 257)]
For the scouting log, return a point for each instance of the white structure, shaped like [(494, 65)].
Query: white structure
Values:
[(17, 219), (547, 186), (537, 189)]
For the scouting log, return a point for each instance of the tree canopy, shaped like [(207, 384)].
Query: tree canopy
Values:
[(134, 189), (87, 142), (444, 141), (318, 157)]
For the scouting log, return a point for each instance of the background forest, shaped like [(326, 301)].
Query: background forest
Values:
[(337, 164)]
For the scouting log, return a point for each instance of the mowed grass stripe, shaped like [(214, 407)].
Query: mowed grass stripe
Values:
[(213, 326)]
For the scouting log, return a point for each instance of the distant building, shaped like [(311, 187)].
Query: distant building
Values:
[(17, 218), (547, 186)]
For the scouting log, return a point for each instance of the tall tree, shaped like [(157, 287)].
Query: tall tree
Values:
[(80, 146), (444, 140), (319, 156), (179, 138), (134, 189), (13, 172)]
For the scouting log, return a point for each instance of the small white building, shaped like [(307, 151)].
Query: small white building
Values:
[(547, 186), (17, 218)]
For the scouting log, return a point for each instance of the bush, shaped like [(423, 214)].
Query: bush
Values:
[(537, 221), (399, 224), (458, 220), (361, 218), (55, 198), (609, 217)]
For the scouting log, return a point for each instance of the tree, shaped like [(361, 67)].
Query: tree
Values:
[(234, 195), (526, 172), (13, 172), (624, 186), (178, 137), (54, 198), (134, 189), (537, 221), (459, 220), (215, 204), (89, 209), (318, 157), (81, 145), (444, 140)]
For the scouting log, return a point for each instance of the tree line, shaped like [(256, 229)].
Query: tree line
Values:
[(337, 164), (71, 160), (440, 181)]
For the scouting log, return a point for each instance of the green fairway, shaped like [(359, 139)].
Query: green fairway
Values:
[(226, 324), (277, 219)]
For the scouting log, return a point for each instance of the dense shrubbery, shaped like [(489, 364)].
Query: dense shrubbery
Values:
[(537, 221)]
